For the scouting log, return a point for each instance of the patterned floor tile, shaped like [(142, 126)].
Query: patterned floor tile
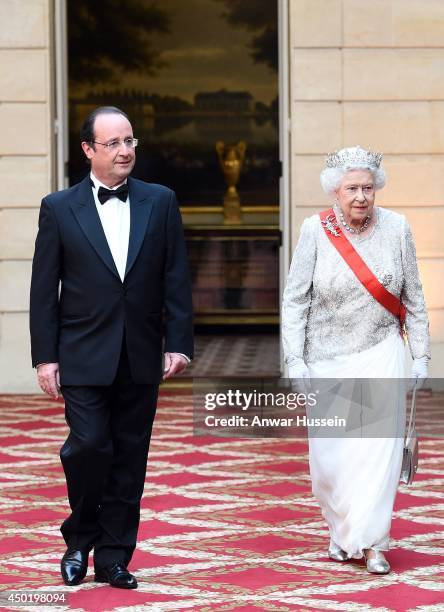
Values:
[(226, 524)]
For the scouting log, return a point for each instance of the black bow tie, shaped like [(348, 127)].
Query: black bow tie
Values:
[(106, 194)]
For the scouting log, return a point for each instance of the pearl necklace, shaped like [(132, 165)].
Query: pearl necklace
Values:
[(352, 230)]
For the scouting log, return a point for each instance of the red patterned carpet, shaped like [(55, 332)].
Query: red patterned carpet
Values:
[(226, 524)]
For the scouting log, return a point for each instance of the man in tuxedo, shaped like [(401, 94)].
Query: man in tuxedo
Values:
[(114, 246)]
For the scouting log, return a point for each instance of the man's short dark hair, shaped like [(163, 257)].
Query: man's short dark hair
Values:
[(87, 130)]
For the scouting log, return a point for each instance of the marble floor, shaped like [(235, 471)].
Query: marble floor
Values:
[(235, 355)]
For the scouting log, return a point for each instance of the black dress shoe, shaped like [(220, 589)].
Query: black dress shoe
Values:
[(74, 566), (117, 575)]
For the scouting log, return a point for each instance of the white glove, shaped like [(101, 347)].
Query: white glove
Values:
[(420, 371), (299, 375)]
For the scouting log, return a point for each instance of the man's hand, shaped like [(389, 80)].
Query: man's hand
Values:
[(174, 364), (49, 378)]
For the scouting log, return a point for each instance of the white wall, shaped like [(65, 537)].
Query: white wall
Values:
[(370, 73), (25, 173)]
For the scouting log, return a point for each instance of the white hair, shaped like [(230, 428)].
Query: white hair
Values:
[(331, 178)]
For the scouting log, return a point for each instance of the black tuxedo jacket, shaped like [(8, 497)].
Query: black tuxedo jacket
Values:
[(83, 326)]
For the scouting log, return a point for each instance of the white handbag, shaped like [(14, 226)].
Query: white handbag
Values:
[(410, 453)]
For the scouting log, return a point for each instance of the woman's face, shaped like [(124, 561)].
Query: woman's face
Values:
[(356, 196)]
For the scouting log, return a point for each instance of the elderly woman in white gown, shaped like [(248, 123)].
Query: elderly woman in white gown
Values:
[(334, 328)]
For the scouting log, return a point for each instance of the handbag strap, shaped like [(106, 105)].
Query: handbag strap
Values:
[(352, 258), (412, 418)]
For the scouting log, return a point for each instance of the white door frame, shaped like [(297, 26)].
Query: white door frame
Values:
[(61, 94), (284, 149)]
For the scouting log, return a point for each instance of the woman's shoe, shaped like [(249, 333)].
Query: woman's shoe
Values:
[(376, 562), (338, 554)]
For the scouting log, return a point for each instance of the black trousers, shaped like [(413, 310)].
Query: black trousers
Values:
[(104, 459)]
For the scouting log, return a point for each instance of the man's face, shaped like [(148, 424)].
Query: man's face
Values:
[(111, 166)]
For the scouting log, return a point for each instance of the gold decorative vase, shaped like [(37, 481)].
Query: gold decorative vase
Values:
[(231, 159)]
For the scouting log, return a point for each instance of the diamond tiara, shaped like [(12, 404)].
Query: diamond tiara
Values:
[(353, 157)]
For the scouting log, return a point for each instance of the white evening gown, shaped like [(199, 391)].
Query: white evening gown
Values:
[(332, 323), (355, 479)]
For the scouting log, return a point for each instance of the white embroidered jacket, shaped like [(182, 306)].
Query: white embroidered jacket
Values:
[(326, 311)]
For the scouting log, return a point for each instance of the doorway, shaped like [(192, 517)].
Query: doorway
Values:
[(191, 75)]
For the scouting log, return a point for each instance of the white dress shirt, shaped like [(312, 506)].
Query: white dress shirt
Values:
[(115, 218)]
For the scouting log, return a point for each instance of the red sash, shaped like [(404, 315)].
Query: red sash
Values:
[(359, 267)]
